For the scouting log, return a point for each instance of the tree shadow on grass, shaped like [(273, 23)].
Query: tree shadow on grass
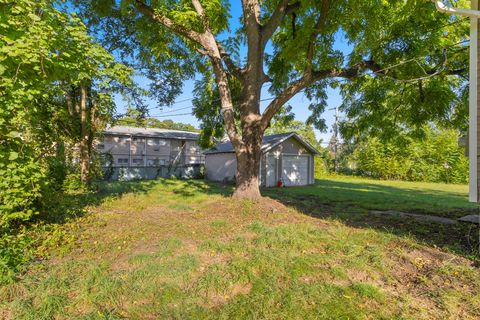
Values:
[(191, 188), (64, 206), (351, 203), (60, 206)]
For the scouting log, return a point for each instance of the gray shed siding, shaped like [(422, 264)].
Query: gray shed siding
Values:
[(220, 166)]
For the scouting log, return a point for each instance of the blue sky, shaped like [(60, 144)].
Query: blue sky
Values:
[(299, 103)]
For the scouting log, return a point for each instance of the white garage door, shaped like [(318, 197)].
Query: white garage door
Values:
[(295, 170)]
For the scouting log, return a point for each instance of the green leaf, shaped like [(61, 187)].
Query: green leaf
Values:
[(13, 156)]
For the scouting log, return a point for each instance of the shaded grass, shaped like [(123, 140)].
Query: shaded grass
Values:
[(350, 200), (179, 249)]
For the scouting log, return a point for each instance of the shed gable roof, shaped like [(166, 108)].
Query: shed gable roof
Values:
[(268, 143), (151, 132)]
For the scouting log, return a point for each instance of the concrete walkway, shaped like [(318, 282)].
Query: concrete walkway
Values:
[(416, 216)]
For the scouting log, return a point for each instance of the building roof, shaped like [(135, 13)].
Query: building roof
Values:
[(151, 132), (268, 143)]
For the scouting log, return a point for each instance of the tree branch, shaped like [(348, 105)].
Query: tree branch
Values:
[(251, 14), (282, 10), (319, 25), (226, 103), (232, 67), (307, 79), (149, 12), (201, 13)]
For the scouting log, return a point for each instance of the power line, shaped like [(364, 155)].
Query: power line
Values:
[(172, 115), (172, 111)]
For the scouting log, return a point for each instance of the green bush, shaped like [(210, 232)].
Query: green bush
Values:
[(436, 158), (21, 181), (15, 252)]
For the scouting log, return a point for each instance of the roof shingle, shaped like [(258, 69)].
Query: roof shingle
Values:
[(268, 143), (151, 132)]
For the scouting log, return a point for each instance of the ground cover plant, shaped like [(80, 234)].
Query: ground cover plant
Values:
[(182, 249)]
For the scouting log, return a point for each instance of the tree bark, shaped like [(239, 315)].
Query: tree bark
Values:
[(83, 145), (248, 167)]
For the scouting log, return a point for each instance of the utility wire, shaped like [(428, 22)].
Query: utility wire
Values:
[(182, 114)]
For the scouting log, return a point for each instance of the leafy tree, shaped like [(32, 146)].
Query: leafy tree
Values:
[(291, 44), (437, 157), (56, 86)]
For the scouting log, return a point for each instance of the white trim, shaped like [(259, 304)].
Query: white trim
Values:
[(473, 101), (295, 135), (458, 11), (296, 154)]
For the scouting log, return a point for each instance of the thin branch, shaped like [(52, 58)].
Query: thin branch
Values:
[(282, 10), (226, 103)]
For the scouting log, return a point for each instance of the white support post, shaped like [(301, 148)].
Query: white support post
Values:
[(473, 106), (474, 15)]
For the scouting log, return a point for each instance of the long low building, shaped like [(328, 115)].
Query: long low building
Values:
[(286, 157), (150, 152)]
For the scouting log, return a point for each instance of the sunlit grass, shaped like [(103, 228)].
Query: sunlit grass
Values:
[(181, 249)]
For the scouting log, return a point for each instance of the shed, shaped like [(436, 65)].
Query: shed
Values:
[(285, 157)]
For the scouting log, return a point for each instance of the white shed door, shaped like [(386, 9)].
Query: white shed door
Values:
[(295, 170), (271, 168)]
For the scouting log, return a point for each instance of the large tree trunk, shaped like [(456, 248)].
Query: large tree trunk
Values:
[(248, 168), (83, 145), (249, 153)]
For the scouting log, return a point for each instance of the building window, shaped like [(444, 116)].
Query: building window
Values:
[(122, 139), (156, 162), (100, 146), (138, 140), (122, 161), (156, 142), (137, 161)]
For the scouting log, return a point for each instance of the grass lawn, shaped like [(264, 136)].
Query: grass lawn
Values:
[(183, 249)]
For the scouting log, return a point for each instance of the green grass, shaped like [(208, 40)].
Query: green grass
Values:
[(182, 249), (344, 191)]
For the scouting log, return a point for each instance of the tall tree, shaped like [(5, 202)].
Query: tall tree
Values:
[(290, 44)]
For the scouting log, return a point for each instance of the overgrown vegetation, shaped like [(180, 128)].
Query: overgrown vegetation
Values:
[(435, 156), (56, 88), (180, 249)]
